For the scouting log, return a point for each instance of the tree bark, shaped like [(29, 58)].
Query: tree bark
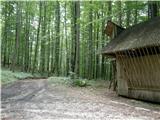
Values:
[(90, 64), (57, 30), (152, 9), (26, 66), (15, 56), (5, 39), (37, 41), (75, 30), (43, 41), (135, 13), (119, 13), (128, 13), (77, 15), (66, 41)]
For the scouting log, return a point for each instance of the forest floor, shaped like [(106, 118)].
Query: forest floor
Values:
[(33, 99)]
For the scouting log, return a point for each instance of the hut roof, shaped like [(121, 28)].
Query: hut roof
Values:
[(145, 34)]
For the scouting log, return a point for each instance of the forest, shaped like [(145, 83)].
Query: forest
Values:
[(81, 60), (65, 38)]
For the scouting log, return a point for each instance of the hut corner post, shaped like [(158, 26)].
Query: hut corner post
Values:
[(113, 30)]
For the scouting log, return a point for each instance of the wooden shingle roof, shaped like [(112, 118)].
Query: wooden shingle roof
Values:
[(145, 34)]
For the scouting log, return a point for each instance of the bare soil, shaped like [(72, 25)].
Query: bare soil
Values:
[(39, 100)]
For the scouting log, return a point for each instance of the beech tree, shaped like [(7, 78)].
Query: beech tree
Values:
[(65, 37)]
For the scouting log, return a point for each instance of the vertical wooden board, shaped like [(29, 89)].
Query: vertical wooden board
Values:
[(122, 82)]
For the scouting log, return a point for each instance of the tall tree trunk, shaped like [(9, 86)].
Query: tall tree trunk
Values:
[(57, 27), (52, 51), (103, 43), (43, 41), (119, 12), (90, 65), (77, 15), (73, 36), (53, 42), (152, 9), (75, 30), (15, 56), (66, 41), (49, 45), (5, 39), (128, 13), (110, 10), (135, 13), (97, 47), (37, 41), (26, 61)]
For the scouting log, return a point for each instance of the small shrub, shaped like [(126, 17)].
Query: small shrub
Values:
[(8, 76), (72, 75), (22, 75), (80, 83), (59, 80)]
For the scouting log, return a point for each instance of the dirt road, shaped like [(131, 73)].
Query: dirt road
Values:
[(40, 100)]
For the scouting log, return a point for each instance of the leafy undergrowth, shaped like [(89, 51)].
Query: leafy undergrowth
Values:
[(60, 80), (9, 76), (78, 82)]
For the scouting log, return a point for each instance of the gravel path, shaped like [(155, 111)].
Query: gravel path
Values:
[(40, 100)]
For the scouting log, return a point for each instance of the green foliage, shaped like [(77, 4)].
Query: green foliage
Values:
[(68, 81), (60, 80), (47, 43), (22, 75), (9, 77), (80, 82), (72, 75)]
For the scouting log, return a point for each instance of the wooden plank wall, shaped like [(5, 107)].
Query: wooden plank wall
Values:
[(140, 72)]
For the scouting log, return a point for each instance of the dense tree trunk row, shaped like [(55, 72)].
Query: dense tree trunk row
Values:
[(65, 37)]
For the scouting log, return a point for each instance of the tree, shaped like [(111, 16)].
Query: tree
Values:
[(27, 31), (57, 38), (4, 49), (37, 40), (77, 25), (119, 12), (75, 30), (15, 57), (43, 40), (152, 9), (57, 30), (66, 41), (135, 13), (128, 13), (49, 38)]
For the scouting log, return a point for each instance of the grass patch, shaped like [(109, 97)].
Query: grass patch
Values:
[(9, 76), (98, 83), (60, 80), (78, 82), (22, 75)]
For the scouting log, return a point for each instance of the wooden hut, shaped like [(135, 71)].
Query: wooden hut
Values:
[(137, 54)]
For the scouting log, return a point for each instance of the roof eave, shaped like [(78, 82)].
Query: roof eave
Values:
[(109, 54)]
